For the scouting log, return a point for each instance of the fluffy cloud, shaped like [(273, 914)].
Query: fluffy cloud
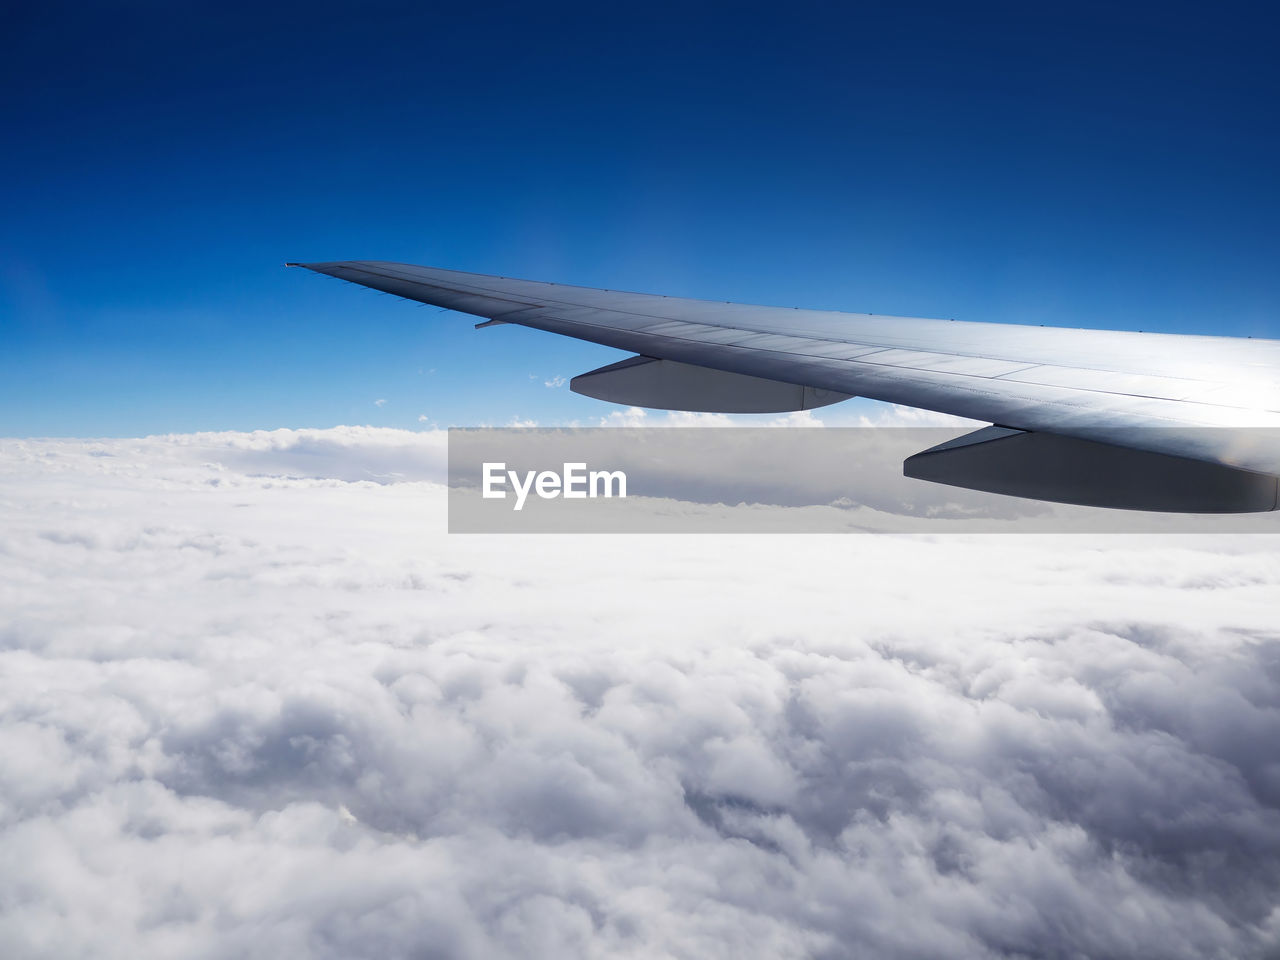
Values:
[(255, 702)]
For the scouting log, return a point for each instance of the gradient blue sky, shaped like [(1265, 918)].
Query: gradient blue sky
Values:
[(1084, 165)]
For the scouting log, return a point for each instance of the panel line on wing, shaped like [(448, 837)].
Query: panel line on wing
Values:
[(1071, 397)]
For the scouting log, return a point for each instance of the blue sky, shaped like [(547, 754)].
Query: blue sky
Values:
[(1083, 165)]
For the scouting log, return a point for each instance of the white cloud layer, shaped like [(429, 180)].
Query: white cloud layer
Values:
[(255, 703)]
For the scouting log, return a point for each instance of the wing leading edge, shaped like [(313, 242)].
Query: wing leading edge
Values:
[(1201, 398)]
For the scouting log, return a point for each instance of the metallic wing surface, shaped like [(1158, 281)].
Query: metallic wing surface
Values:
[(1146, 420)]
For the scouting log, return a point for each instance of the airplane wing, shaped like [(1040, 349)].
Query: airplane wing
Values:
[(1110, 418)]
